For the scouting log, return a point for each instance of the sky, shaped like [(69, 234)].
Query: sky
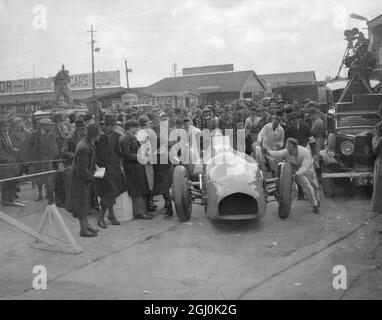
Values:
[(268, 36)]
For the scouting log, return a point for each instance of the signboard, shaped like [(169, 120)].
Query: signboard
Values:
[(102, 80), (208, 69), (77, 81)]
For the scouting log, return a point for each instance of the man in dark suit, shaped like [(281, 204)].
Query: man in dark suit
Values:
[(136, 180), (84, 166), (8, 167)]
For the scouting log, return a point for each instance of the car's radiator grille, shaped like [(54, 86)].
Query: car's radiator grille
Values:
[(238, 204)]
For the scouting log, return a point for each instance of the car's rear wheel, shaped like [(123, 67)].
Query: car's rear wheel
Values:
[(328, 187), (285, 189), (182, 193)]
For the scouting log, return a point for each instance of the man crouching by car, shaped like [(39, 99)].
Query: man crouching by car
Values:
[(302, 165)]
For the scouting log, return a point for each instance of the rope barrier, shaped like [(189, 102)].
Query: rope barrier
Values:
[(34, 162), (34, 175)]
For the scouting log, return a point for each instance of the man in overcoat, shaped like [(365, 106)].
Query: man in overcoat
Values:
[(77, 201), (109, 156), (136, 180), (8, 167), (43, 150)]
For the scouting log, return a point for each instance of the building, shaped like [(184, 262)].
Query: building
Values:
[(29, 95), (208, 87), (276, 80), (375, 36), (296, 86)]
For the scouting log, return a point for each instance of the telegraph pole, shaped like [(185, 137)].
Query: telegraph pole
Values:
[(92, 31), (127, 74), (174, 66), (93, 107)]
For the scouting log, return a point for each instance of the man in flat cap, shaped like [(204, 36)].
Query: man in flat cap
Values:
[(302, 165), (147, 135), (42, 148), (8, 166), (135, 173), (20, 137), (60, 132), (318, 131), (252, 128), (77, 201)]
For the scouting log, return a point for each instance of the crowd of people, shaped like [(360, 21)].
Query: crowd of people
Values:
[(76, 146)]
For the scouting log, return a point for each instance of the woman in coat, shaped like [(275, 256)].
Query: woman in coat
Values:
[(83, 169), (109, 156), (136, 180)]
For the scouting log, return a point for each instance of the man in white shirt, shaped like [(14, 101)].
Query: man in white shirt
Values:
[(301, 161), (272, 135)]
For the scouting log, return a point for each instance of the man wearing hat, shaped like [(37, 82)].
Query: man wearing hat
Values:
[(318, 131), (77, 201), (252, 129), (209, 121), (42, 148), (20, 137), (109, 156), (7, 156), (226, 120), (135, 173), (71, 142), (301, 161), (59, 131), (144, 135)]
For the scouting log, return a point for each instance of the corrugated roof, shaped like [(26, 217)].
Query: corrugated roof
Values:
[(217, 82), (49, 96), (277, 79)]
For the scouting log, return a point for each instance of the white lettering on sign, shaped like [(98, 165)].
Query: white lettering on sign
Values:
[(40, 20), (77, 81)]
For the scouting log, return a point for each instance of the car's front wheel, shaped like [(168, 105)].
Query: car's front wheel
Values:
[(181, 192), (285, 183)]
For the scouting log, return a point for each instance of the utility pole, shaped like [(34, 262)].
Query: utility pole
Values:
[(92, 31), (93, 107), (127, 74), (174, 66)]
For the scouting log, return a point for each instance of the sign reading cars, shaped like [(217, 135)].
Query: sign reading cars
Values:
[(77, 81)]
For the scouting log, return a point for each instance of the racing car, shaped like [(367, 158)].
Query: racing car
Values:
[(231, 186)]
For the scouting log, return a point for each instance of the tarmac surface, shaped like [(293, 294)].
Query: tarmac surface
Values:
[(267, 258)]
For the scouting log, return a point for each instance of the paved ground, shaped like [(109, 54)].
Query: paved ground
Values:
[(164, 259)]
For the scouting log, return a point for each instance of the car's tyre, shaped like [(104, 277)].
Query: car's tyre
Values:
[(328, 187), (181, 191), (285, 189), (331, 142), (260, 158)]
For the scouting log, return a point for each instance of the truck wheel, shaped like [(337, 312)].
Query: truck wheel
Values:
[(285, 189), (182, 194), (331, 142), (260, 158), (328, 187)]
